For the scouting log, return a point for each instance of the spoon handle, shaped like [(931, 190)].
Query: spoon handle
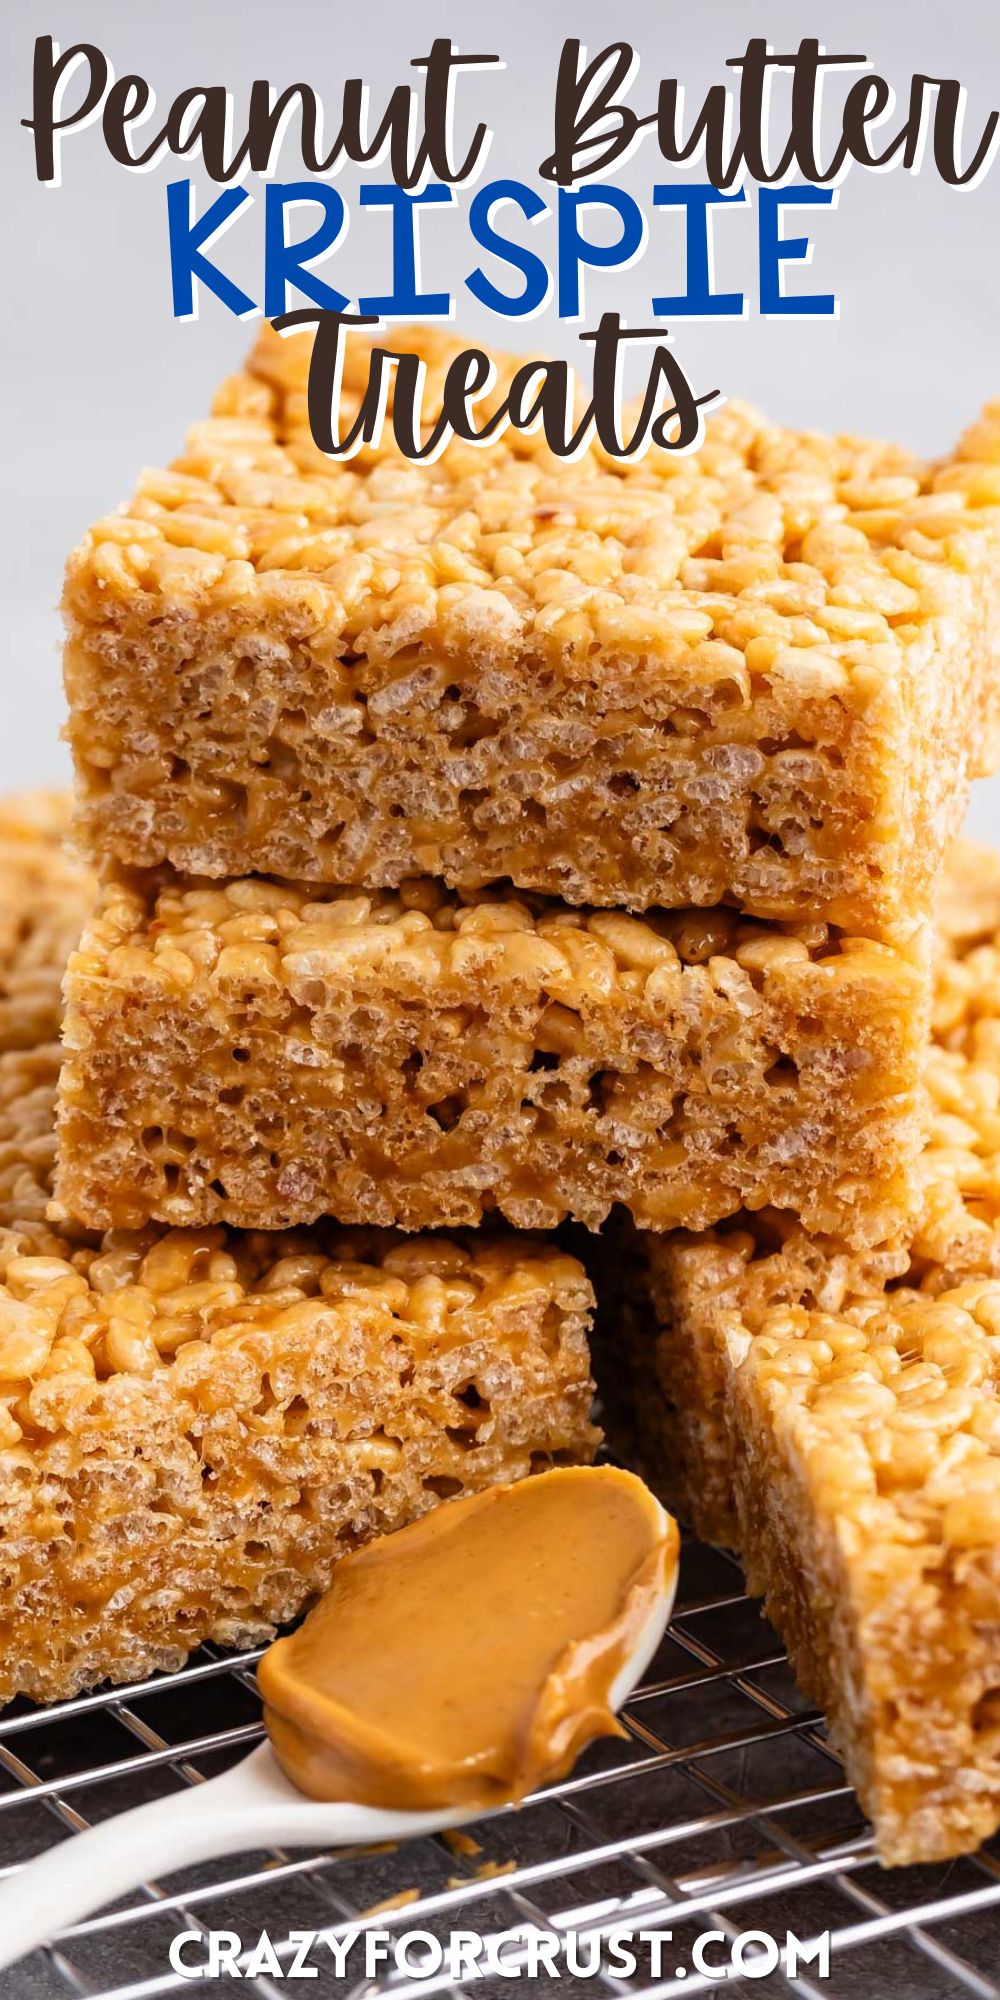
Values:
[(91, 1869)]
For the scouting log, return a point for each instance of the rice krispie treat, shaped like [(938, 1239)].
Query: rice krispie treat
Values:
[(836, 1417), (194, 1425), (44, 893), (261, 1053), (761, 674)]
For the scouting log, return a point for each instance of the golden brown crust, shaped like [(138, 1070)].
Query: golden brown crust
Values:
[(837, 1417), (193, 1425), (764, 672), (260, 1053)]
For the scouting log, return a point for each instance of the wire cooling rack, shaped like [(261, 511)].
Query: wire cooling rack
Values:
[(724, 1809)]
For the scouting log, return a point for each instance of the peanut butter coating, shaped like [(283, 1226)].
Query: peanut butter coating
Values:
[(472, 1656)]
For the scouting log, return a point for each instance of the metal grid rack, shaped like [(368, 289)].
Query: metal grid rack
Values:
[(724, 1809)]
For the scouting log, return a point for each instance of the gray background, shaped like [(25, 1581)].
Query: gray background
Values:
[(98, 378)]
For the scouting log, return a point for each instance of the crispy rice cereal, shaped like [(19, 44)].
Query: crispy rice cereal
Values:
[(761, 674), (260, 1053), (837, 1418), (195, 1424)]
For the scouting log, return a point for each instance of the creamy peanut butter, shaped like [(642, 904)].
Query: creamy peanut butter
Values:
[(471, 1657)]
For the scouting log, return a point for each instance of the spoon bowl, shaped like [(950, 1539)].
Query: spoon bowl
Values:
[(251, 1806)]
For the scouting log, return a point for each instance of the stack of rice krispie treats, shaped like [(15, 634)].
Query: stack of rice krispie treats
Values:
[(196, 1423), (493, 844)]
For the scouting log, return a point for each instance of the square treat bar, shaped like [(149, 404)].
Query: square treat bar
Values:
[(195, 1425), (761, 674), (837, 1418), (260, 1053)]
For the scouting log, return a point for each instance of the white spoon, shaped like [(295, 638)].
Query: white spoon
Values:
[(254, 1805)]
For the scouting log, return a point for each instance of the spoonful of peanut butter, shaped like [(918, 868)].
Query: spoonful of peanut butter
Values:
[(451, 1668), (469, 1658)]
